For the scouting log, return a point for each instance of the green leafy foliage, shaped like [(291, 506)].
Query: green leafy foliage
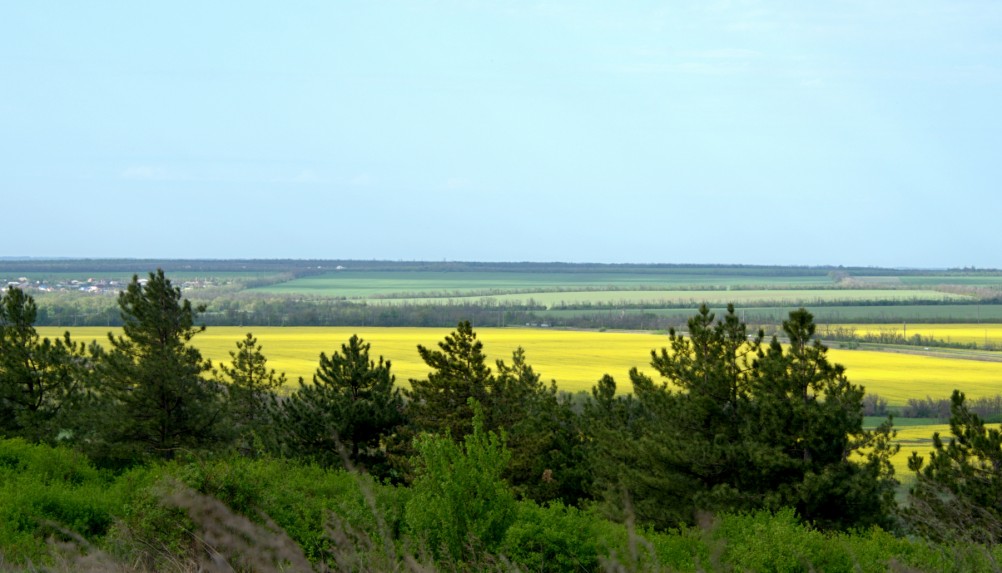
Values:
[(459, 502), (47, 491), (682, 435), (554, 537), (136, 520), (543, 434), (804, 423)]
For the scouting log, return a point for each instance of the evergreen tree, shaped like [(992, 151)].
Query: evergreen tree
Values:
[(160, 400), (679, 450), (958, 494), (39, 378), (250, 388), (734, 427), (459, 371), (804, 426), (547, 457), (349, 408)]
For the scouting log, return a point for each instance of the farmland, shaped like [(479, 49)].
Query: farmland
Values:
[(321, 303), (974, 334), (682, 298), (625, 312), (859, 314), (371, 284), (593, 296), (577, 359)]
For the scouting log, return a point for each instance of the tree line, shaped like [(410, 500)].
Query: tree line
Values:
[(733, 422)]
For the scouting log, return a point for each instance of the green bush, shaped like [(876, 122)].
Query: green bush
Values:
[(763, 541), (146, 530), (552, 538), (459, 502), (459, 505), (49, 492), (304, 501)]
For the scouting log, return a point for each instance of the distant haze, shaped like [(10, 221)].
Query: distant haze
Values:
[(855, 133)]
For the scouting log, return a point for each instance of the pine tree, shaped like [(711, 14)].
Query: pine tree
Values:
[(160, 400), (250, 389), (547, 457), (459, 371), (348, 410), (39, 378), (733, 427), (804, 427), (681, 435), (958, 494)]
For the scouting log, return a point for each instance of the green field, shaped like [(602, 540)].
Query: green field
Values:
[(362, 284), (400, 293), (982, 281), (614, 289), (848, 313), (688, 298)]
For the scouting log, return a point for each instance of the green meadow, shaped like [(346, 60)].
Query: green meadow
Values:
[(371, 284), (687, 298)]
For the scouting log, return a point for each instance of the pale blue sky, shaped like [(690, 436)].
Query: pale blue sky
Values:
[(852, 132)]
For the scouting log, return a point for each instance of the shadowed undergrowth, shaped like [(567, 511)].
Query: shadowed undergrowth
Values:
[(59, 513)]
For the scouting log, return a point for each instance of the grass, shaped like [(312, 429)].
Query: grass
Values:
[(982, 280)]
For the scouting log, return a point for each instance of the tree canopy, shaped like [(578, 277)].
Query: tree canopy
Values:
[(735, 427), (159, 398)]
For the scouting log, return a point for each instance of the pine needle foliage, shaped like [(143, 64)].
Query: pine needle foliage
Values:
[(348, 410), (459, 371), (250, 391), (40, 379), (958, 493), (160, 400), (735, 427)]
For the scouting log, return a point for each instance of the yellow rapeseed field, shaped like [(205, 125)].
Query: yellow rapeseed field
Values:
[(916, 439), (576, 359), (962, 333), (897, 377)]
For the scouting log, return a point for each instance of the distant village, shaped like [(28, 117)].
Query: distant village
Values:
[(94, 286)]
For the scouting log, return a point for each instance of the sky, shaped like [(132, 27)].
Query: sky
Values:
[(853, 133)]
